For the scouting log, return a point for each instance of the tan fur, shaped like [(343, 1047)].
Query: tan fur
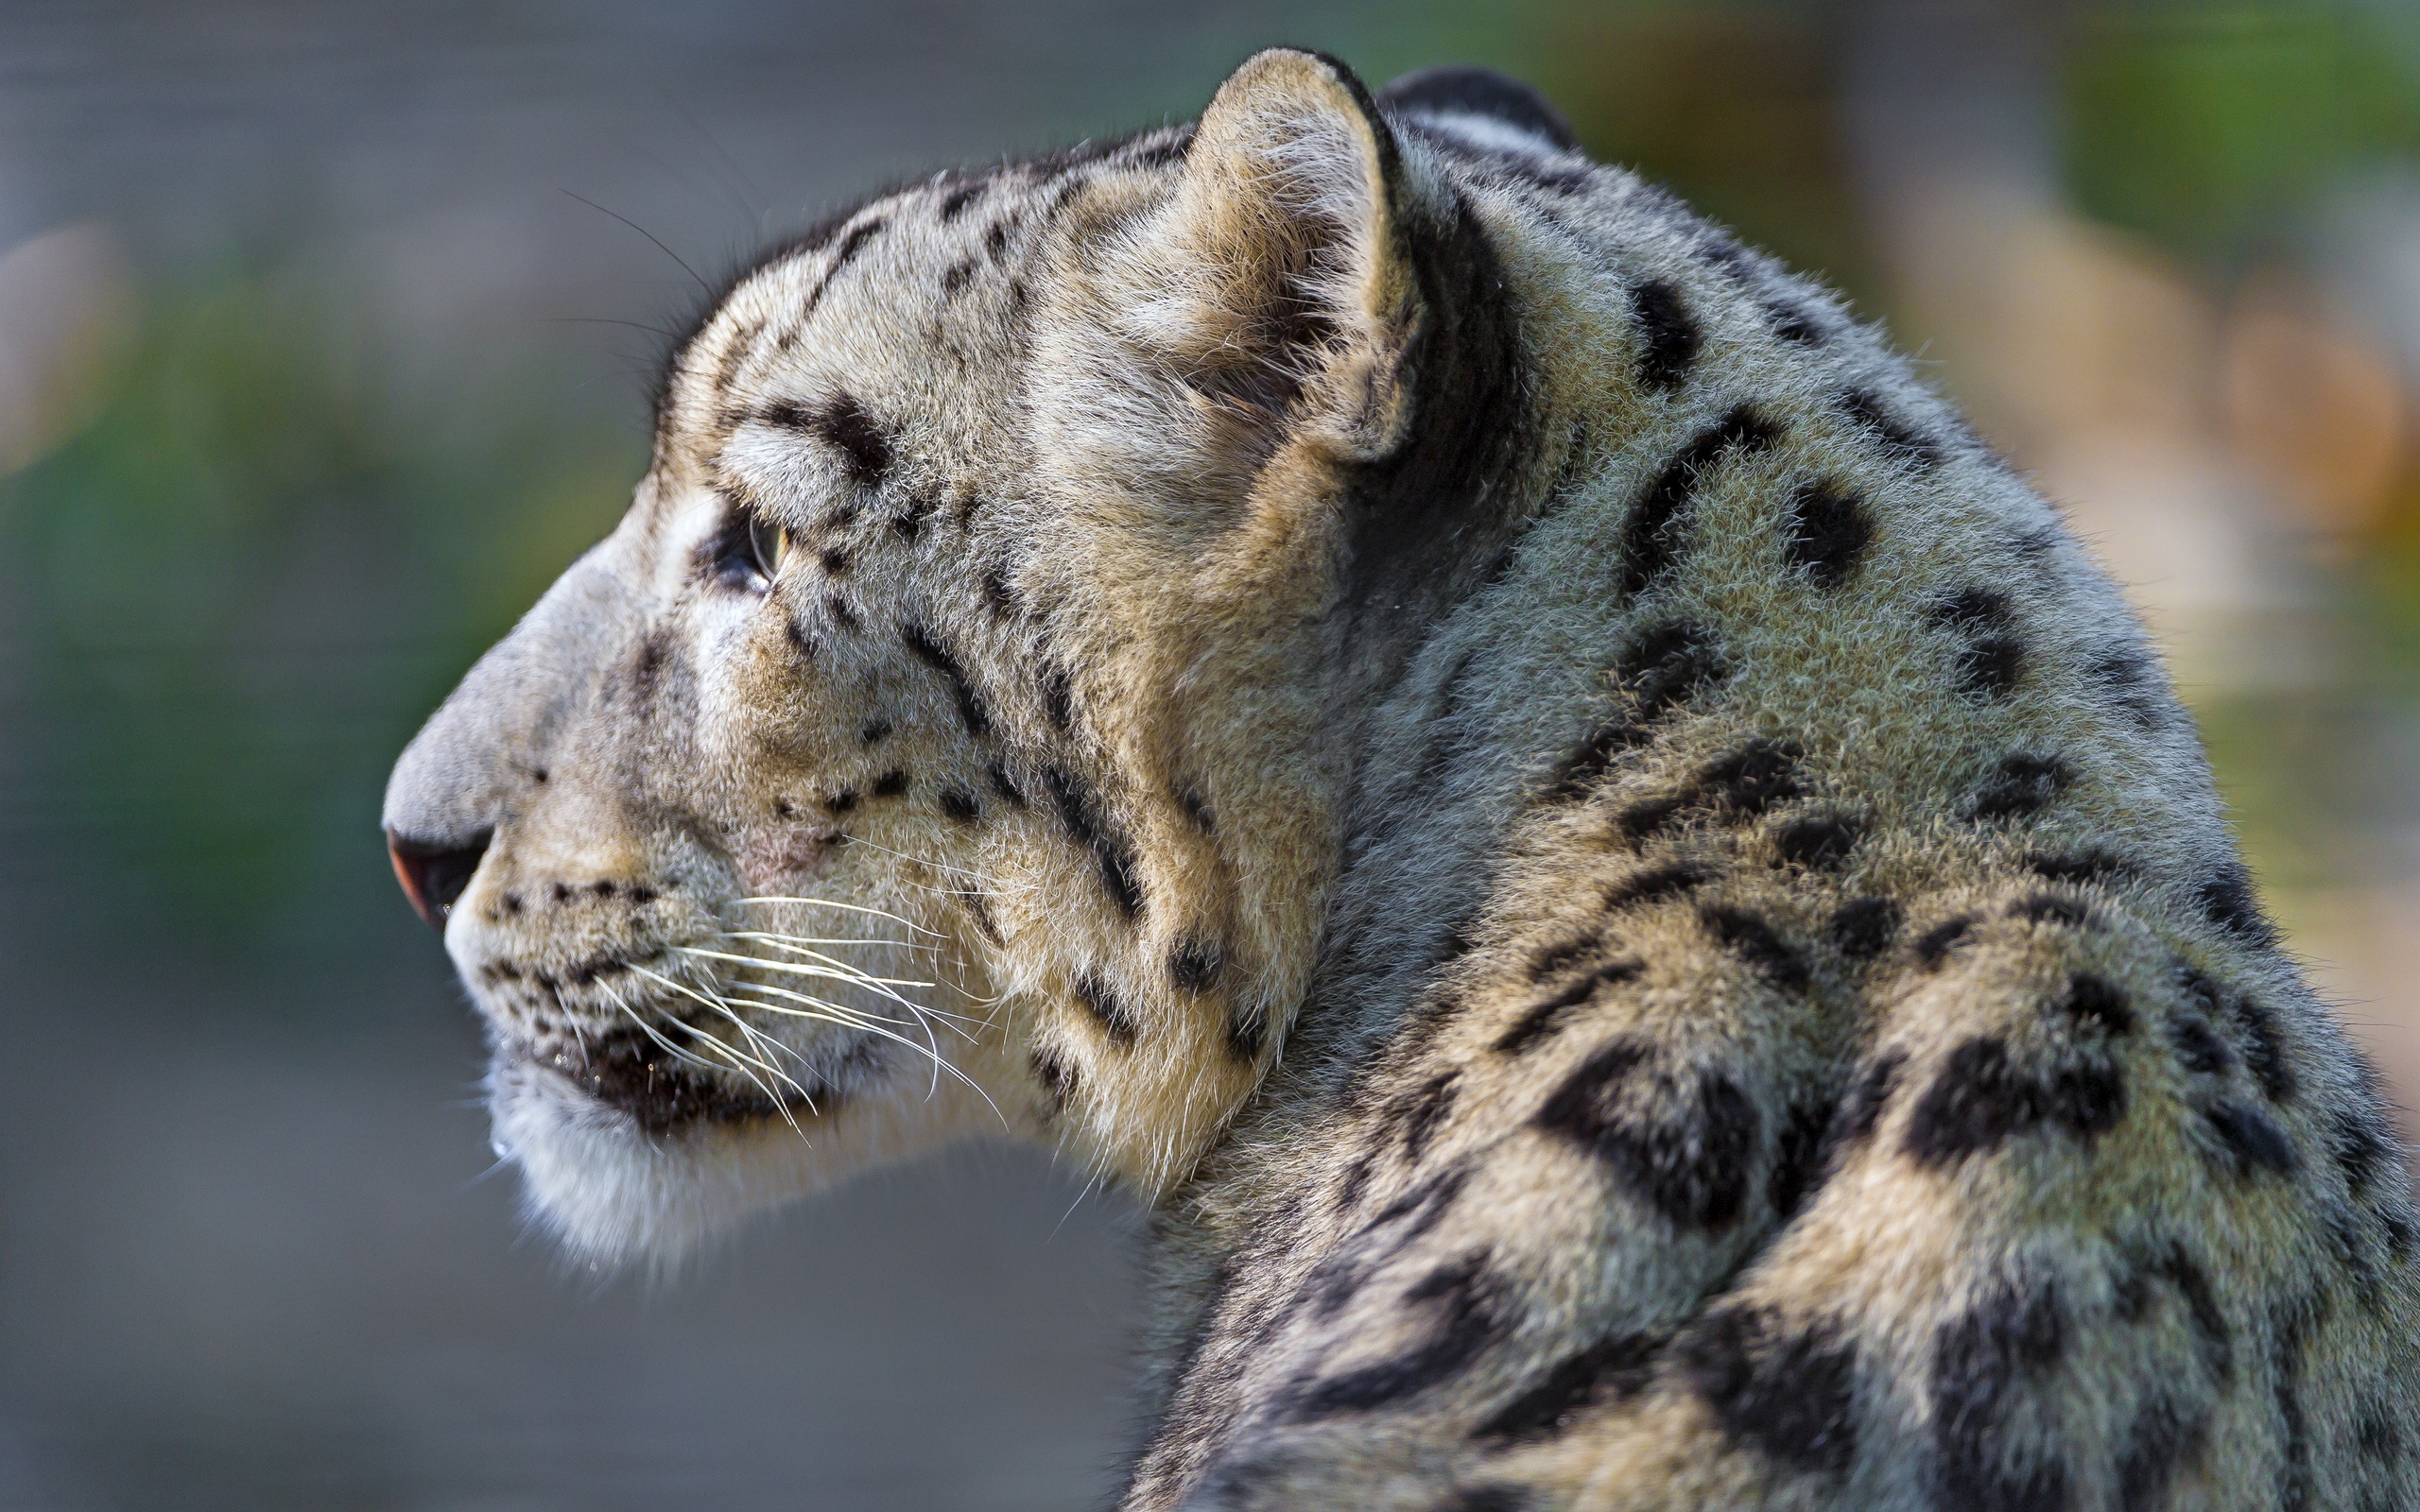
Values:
[(1223, 638)]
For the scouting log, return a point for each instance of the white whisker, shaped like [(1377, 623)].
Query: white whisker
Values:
[(853, 909)]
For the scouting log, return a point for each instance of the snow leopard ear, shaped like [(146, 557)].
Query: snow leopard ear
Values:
[(1276, 284), (1481, 106)]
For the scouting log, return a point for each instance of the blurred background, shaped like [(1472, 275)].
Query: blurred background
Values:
[(324, 339)]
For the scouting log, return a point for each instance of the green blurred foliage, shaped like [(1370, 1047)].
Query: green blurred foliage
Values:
[(232, 598), (2214, 128)]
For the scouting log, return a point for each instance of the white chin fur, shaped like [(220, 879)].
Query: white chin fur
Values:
[(614, 1195)]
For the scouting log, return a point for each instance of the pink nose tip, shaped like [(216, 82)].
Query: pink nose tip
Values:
[(433, 874)]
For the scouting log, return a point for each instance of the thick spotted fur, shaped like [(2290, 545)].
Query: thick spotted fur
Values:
[(1641, 910)]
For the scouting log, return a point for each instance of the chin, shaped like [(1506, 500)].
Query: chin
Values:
[(654, 1186)]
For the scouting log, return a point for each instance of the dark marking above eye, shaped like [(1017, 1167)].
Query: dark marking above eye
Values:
[(2052, 909), (843, 424), (874, 729), (1828, 530), (891, 783), (1647, 547), (834, 560), (1667, 333), (960, 806), (836, 610)]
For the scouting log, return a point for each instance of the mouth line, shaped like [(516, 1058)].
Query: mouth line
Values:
[(640, 1076)]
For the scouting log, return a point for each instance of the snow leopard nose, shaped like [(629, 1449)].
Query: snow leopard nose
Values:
[(433, 875)]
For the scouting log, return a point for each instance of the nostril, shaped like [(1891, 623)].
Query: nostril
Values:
[(434, 873)]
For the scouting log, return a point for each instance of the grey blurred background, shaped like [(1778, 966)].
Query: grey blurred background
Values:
[(324, 339)]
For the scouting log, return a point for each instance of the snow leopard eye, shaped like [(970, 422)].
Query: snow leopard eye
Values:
[(747, 550)]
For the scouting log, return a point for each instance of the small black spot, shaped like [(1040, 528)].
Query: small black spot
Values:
[(558, 892), (997, 775), (1863, 927), (1057, 696), (2252, 1138), (2091, 1002), (912, 524), (843, 424), (979, 911), (971, 709), (1933, 946), (1114, 857), (1971, 609), (1058, 1078), (1646, 886), (2253, 1024), (2198, 1045), (1468, 1318), (834, 560), (784, 809), (2226, 898), (960, 805), (1246, 1029), (2362, 1146), (2052, 909), (997, 596), (1819, 841), (801, 642), (1669, 335), (1991, 666), (1827, 531), (1426, 1107), (1756, 941), (2088, 868), (1986, 1361), (874, 729), (1686, 1152), (2161, 1440), (960, 196), (1980, 1098), (1116, 1018), (1611, 1370), (1740, 785), (1668, 664), (1799, 1158), (1867, 409), (2023, 784), (1648, 535), (1195, 964), (1791, 323), (1197, 810), (2126, 673), (1862, 1110), (1788, 1392), (837, 608), (956, 277), (891, 783)]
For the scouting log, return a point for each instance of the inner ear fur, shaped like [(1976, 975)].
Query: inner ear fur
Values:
[(1275, 284)]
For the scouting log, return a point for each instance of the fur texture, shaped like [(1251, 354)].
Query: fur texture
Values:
[(1642, 910)]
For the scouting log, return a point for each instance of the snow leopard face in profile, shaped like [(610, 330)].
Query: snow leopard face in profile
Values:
[(1642, 911)]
